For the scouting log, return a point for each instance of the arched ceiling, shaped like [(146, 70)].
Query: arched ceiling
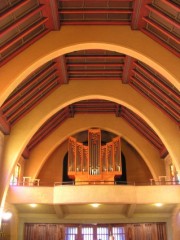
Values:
[(24, 22), (91, 65), (94, 107), (58, 140)]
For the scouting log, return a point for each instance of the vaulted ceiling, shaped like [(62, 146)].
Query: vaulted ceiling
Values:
[(24, 22)]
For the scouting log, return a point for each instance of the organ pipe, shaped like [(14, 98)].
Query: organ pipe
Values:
[(95, 161)]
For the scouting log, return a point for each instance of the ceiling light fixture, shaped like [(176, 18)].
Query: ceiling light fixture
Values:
[(95, 205), (33, 205), (158, 204)]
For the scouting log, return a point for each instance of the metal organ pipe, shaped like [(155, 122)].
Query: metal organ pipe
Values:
[(94, 159)]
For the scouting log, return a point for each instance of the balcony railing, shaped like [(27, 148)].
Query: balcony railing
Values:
[(38, 182)]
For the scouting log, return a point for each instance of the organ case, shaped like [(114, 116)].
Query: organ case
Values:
[(95, 162)]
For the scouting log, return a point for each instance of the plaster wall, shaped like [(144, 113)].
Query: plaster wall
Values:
[(95, 193), (52, 170), (137, 170)]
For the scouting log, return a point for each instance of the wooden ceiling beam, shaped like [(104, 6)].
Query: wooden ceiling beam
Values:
[(62, 69), (128, 66), (163, 152), (163, 43), (75, 57), (94, 110), (85, 78), (95, 11), (22, 19), (140, 131), (155, 89), (145, 91), (139, 11), (23, 34), (54, 120), (48, 127), (142, 128), (162, 15), (163, 85), (27, 95), (85, 64), (161, 29), (15, 52), (91, 72), (164, 96), (137, 120), (33, 101), (54, 14), (4, 124), (51, 12), (26, 153), (101, 22), (96, 0), (171, 4), (13, 8), (18, 94)]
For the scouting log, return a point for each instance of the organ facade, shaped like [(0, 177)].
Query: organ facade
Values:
[(95, 161)]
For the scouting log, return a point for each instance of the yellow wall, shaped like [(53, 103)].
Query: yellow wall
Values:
[(52, 169), (137, 170)]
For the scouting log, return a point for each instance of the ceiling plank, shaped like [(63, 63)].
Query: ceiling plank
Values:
[(13, 8), (22, 19)]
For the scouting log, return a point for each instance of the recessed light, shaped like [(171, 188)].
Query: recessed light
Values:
[(158, 204), (95, 205), (33, 205)]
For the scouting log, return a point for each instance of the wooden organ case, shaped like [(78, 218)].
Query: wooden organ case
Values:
[(95, 162)]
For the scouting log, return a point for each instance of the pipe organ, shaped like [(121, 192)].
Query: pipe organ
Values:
[(95, 162)]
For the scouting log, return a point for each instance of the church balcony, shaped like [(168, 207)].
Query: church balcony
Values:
[(90, 193)]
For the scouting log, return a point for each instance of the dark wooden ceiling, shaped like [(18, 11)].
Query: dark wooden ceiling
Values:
[(24, 22)]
